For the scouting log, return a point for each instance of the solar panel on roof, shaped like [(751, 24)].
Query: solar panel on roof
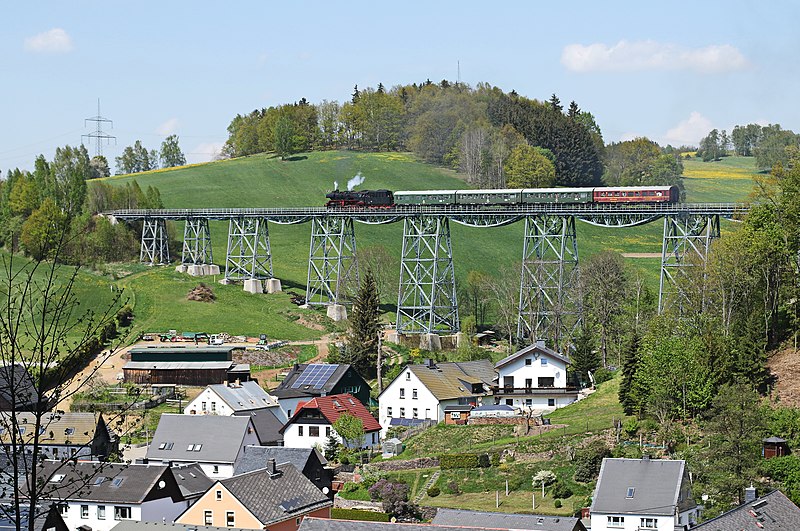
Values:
[(316, 375)]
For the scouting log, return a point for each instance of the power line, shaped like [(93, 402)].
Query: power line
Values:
[(99, 135)]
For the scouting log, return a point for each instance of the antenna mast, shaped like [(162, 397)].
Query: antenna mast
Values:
[(98, 135)]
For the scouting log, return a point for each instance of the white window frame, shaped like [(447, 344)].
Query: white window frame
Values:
[(208, 517), (84, 512), (101, 512), (616, 522), (648, 523), (122, 512)]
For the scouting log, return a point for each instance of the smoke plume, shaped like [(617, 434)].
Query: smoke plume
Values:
[(355, 181), (336, 185)]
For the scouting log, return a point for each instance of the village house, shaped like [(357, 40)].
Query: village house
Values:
[(492, 520), (96, 496), (309, 461), (230, 399), (276, 498), (771, 512), (192, 481), (212, 441), (63, 435), (307, 381), (312, 422), (643, 494), (534, 378), (267, 423), (422, 392), (17, 388), (44, 519)]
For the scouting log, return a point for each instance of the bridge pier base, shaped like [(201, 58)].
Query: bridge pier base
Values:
[(196, 246), (337, 312), (272, 285), (332, 263), (427, 303), (547, 308), (155, 242), (248, 256), (686, 243)]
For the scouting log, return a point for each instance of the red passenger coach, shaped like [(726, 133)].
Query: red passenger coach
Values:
[(637, 194)]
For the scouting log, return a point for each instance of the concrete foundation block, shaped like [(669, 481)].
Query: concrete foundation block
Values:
[(337, 312), (273, 285), (212, 269), (430, 342), (181, 268), (253, 285), (196, 270), (462, 340), (392, 337)]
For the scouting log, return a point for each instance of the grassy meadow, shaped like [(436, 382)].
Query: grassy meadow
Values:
[(266, 181)]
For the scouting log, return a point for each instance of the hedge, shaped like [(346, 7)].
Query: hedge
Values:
[(450, 461), (358, 514)]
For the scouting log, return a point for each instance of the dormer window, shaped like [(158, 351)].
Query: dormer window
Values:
[(631, 491)]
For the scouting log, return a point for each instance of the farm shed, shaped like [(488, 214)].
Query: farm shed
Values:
[(184, 365)]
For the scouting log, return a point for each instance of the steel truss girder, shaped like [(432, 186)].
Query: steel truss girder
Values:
[(155, 242), (332, 263), (618, 220), (686, 243), (487, 220), (248, 255), (196, 242), (548, 308), (426, 302)]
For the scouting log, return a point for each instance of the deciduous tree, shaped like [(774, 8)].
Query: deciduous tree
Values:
[(171, 154)]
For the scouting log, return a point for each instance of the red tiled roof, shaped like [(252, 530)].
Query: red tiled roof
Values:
[(333, 406)]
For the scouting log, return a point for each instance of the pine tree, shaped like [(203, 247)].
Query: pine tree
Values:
[(574, 110), (630, 362), (584, 358), (362, 342), (555, 103)]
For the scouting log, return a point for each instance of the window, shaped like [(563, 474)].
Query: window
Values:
[(415, 413), (122, 513), (551, 402), (616, 521), (402, 412), (427, 413), (299, 431), (56, 478), (219, 495), (63, 508), (327, 431), (229, 518), (69, 431), (84, 511), (197, 447), (528, 383), (101, 512), (509, 401), (528, 361), (402, 392), (548, 381), (389, 412), (213, 406), (216, 469), (631, 491), (648, 523), (529, 402), (544, 362), (408, 376), (190, 448), (455, 415), (203, 406), (313, 431), (208, 518)]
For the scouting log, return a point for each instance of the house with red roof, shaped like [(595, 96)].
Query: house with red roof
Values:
[(312, 422)]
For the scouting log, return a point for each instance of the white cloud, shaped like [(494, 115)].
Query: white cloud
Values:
[(204, 152), (628, 56), (55, 40), (689, 131), (168, 127)]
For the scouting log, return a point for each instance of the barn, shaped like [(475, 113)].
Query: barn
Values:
[(184, 365)]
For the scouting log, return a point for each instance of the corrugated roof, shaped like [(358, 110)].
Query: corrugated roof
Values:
[(655, 485), (325, 524), (181, 349), (333, 406), (178, 365), (219, 437), (451, 379), (133, 525)]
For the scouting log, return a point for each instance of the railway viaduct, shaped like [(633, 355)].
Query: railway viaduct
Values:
[(426, 301)]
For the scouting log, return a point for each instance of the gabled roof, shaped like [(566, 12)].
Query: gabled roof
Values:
[(655, 485), (191, 479), (219, 437), (448, 380), (326, 524), (294, 386), (266, 423), (458, 517), (244, 396), (333, 406), (133, 525), (66, 428), (539, 347), (273, 498), (24, 386), (106, 482), (771, 512), (257, 457)]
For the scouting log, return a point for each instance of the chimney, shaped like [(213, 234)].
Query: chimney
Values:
[(749, 494), (540, 343), (273, 468), (430, 363)]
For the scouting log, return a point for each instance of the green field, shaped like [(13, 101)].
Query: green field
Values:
[(266, 181)]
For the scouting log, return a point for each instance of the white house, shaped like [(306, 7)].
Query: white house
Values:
[(231, 399), (212, 441), (534, 378), (422, 392), (97, 496), (643, 494), (312, 422)]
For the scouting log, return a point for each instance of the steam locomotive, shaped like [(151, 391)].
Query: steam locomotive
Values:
[(516, 196)]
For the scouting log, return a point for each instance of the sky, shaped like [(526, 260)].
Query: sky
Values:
[(671, 71)]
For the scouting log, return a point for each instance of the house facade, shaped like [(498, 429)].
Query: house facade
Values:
[(423, 391), (534, 378), (312, 423), (643, 494), (230, 399)]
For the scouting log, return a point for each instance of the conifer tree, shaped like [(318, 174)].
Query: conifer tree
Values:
[(362, 341), (630, 361)]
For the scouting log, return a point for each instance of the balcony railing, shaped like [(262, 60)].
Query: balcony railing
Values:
[(505, 391)]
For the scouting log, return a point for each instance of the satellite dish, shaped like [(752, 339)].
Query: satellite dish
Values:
[(162, 484), (325, 490)]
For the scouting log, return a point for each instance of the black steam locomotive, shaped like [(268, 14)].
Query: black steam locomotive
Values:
[(367, 198)]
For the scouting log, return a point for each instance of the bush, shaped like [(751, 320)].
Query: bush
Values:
[(631, 427), (450, 461), (557, 503), (452, 488), (434, 491), (560, 490), (394, 497), (495, 459), (357, 514), (602, 375), (589, 460)]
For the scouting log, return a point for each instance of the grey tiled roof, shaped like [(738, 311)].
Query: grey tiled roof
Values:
[(773, 512), (191, 480), (274, 499), (656, 485), (132, 525), (221, 438), (457, 517), (256, 457), (324, 524), (266, 424)]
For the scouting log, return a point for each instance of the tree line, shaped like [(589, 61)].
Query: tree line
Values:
[(137, 158), (496, 139), (769, 144)]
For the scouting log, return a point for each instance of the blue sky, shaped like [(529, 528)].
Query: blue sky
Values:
[(670, 71)]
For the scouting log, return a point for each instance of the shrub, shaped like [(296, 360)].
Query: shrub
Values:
[(357, 514), (602, 375), (394, 497), (495, 459), (631, 427), (483, 461), (589, 460), (452, 488), (560, 490), (434, 491), (557, 504), (450, 461)]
